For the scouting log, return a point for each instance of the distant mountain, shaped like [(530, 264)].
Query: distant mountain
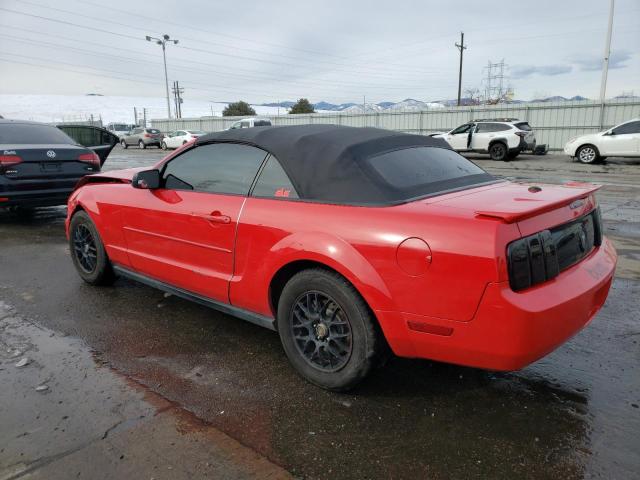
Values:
[(409, 104), (287, 104), (558, 98)]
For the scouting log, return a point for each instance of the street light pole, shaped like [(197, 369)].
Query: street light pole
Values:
[(605, 65), (163, 42)]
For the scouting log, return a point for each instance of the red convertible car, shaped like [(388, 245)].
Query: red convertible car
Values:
[(351, 240)]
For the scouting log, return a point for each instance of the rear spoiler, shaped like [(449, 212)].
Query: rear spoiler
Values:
[(100, 179), (511, 214)]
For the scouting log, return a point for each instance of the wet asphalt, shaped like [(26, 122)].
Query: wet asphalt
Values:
[(574, 414)]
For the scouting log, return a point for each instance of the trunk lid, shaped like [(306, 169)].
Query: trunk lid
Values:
[(46, 161), (516, 202)]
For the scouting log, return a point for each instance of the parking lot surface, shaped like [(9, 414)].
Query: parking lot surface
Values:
[(574, 414)]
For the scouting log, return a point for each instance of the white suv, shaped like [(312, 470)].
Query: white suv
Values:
[(620, 141), (502, 138), (251, 122)]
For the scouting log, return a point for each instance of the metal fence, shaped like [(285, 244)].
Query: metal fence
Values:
[(553, 123)]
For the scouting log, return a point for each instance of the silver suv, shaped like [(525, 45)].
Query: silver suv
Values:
[(142, 137)]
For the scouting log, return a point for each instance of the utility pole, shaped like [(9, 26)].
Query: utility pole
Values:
[(461, 47), (163, 42), (605, 64), (177, 96)]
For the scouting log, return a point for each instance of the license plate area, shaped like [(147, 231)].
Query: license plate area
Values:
[(50, 167)]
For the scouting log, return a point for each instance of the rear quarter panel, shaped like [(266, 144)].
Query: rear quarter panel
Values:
[(361, 244)]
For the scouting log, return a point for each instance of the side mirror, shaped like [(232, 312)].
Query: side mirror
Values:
[(146, 179)]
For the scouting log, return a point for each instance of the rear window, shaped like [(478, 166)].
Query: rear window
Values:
[(119, 127), (24, 133), (421, 171), (262, 123), (153, 130), (523, 126)]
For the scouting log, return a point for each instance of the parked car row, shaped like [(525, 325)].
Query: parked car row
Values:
[(504, 139)]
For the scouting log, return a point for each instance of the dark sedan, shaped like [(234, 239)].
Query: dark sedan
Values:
[(40, 164)]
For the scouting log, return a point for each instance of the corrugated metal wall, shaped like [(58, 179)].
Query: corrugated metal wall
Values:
[(554, 123)]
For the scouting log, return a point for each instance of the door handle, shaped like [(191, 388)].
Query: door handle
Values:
[(213, 217)]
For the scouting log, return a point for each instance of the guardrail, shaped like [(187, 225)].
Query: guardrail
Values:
[(553, 122)]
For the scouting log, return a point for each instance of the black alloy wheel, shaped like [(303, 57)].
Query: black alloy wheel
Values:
[(84, 248), (498, 151), (87, 251), (321, 331)]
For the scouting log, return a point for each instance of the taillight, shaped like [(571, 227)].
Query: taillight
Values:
[(9, 160), (147, 135), (532, 260), (91, 158), (521, 134)]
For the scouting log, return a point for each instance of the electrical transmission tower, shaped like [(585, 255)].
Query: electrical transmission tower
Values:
[(177, 98), (494, 83)]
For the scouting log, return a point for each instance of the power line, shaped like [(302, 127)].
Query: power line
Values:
[(357, 87), (136, 27)]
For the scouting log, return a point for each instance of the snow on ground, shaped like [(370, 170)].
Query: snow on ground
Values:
[(58, 108)]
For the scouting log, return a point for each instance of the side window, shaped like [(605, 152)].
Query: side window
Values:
[(483, 128), (244, 125), (214, 168), (461, 129), (274, 182), (631, 127)]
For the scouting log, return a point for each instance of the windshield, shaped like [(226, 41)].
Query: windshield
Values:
[(26, 133)]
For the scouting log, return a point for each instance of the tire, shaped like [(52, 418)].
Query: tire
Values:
[(141, 145), (498, 151), (163, 146), (343, 324), (587, 154), (83, 241), (124, 144)]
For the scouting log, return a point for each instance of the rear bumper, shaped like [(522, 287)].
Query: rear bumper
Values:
[(35, 198), (509, 330)]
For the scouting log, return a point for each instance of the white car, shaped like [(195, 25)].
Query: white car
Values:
[(179, 137), (503, 139), (620, 141), (250, 123)]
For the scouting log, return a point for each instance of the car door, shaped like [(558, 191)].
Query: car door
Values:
[(458, 137), (183, 234), (622, 140), (98, 139), (170, 139), (181, 137), (486, 132)]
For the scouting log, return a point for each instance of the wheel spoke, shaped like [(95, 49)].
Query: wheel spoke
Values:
[(321, 331)]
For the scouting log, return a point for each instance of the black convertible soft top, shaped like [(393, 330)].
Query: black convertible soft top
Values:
[(331, 162)]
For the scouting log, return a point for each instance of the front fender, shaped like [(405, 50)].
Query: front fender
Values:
[(337, 254)]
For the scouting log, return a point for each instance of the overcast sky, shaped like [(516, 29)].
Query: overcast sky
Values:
[(333, 50)]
